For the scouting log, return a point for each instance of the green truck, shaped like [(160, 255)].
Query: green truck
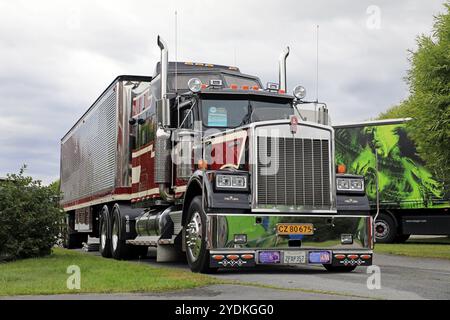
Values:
[(411, 200)]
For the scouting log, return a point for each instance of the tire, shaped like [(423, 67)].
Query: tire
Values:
[(196, 253), (339, 269), (105, 233), (385, 229), (402, 238), (119, 249)]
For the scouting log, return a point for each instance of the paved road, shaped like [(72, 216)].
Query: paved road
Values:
[(401, 278)]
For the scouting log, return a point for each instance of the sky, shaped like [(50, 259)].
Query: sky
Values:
[(57, 56)]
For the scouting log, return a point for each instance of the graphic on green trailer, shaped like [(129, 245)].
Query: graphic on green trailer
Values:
[(404, 182)]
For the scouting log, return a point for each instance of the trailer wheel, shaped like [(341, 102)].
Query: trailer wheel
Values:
[(105, 233), (385, 229), (196, 253), (119, 249), (339, 269)]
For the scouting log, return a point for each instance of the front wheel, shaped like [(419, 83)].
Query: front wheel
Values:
[(196, 253), (339, 269)]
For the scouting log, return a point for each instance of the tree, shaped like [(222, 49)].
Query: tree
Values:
[(429, 101), (30, 217)]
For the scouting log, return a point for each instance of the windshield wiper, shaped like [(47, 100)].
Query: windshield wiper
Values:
[(248, 116)]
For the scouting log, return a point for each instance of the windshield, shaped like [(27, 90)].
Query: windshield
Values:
[(235, 113)]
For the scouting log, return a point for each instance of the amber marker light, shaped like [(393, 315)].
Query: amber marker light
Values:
[(341, 168)]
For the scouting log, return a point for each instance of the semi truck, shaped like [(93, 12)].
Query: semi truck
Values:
[(408, 197), (202, 162)]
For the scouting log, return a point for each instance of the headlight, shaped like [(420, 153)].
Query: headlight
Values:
[(350, 184), (195, 85), (357, 184), (228, 181), (299, 92)]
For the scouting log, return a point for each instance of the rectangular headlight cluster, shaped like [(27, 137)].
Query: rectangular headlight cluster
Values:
[(350, 184), (228, 181)]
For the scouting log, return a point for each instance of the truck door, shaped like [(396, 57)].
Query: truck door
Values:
[(187, 142)]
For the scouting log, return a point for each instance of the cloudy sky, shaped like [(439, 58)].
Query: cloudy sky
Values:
[(57, 56)]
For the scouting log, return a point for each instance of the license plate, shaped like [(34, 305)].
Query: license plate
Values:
[(295, 228), (269, 257), (319, 257), (294, 257)]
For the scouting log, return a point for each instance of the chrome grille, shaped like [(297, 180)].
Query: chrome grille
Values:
[(296, 173)]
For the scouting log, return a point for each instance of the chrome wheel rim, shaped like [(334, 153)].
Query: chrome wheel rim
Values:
[(194, 236), (381, 229), (103, 235), (115, 235)]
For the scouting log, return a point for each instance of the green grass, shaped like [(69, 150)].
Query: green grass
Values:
[(48, 275), (423, 248)]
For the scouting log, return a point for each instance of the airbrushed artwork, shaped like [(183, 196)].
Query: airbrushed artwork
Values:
[(404, 180)]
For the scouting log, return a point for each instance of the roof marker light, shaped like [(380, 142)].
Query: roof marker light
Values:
[(234, 86), (245, 87)]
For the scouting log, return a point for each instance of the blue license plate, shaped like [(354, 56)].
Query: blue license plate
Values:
[(269, 257), (319, 257)]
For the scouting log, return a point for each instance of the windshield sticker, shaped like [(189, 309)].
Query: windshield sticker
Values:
[(217, 117)]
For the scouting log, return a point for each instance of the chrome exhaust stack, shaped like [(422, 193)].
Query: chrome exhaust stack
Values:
[(165, 110), (163, 143), (282, 70)]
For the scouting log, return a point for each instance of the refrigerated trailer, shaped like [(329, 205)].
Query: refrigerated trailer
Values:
[(201, 161), (411, 199)]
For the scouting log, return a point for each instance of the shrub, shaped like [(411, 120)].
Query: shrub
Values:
[(30, 217)]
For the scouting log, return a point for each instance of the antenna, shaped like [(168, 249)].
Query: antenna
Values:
[(176, 51), (317, 64)]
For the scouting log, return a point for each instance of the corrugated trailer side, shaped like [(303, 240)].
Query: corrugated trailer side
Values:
[(95, 153)]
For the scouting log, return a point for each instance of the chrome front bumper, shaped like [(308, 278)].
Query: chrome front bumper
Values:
[(262, 238)]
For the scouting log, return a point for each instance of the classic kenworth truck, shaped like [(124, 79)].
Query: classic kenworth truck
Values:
[(202, 161)]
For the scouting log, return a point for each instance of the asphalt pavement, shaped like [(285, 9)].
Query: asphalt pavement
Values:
[(399, 278)]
